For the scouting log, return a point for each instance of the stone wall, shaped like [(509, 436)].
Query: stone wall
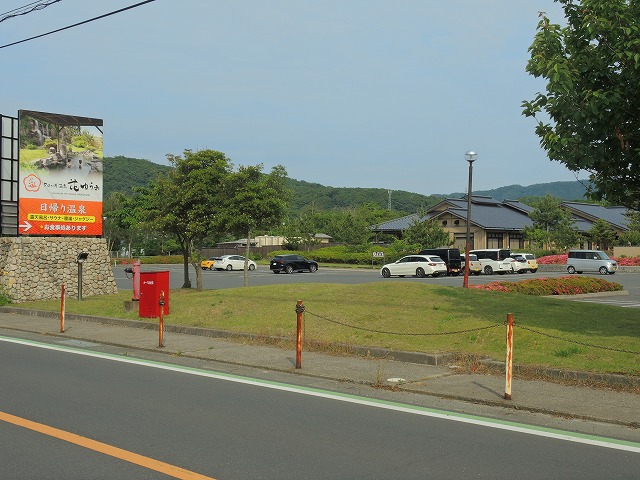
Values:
[(34, 268)]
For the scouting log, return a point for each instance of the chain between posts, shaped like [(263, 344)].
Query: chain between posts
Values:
[(578, 342), (403, 333)]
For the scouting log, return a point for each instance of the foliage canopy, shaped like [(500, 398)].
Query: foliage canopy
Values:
[(592, 97)]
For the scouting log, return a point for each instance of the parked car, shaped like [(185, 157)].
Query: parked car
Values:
[(524, 262), (208, 264), (227, 262), (518, 263), (418, 265), (579, 261), (292, 263), (474, 265), (494, 260), (451, 257)]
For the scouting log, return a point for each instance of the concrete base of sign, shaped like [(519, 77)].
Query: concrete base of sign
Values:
[(34, 268)]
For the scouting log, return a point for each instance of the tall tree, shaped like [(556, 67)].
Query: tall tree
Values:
[(602, 234), (426, 233), (188, 202), (632, 236), (565, 234), (592, 98), (546, 216), (125, 220), (254, 201)]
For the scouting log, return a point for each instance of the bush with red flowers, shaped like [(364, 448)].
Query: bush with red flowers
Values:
[(553, 259), (570, 285)]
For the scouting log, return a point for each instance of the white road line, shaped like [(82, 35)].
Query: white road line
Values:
[(415, 410), (616, 303)]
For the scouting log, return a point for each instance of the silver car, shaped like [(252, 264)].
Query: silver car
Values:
[(579, 261)]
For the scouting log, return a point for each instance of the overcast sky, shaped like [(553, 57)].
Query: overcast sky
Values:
[(345, 93)]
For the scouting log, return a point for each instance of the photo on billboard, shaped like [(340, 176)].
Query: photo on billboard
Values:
[(61, 167)]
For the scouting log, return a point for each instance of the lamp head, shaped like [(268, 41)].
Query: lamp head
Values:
[(470, 156)]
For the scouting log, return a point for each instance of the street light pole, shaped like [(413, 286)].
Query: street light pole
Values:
[(470, 157)]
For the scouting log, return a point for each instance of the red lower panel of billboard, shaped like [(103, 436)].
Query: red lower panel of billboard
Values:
[(60, 217)]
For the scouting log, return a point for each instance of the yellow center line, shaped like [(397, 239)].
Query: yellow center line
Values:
[(112, 451)]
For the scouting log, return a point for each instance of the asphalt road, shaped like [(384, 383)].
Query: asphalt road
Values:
[(231, 427), (262, 276)]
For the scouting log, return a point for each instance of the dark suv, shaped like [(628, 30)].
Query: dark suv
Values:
[(292, 263), (451, 257)]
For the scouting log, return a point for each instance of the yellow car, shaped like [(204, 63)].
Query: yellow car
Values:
[(208, 264), (227, 262)]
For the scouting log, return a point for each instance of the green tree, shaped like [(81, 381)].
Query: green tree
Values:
[(188, 202), (254, 201), (125, 221), (546, 216), (347, 226), (588, 117), (565, 234), (426, 233), (632, 236), (602, 234), (536, 236), (300, 230)]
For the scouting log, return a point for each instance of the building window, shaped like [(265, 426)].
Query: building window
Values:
[(444, 223), (494, 240)]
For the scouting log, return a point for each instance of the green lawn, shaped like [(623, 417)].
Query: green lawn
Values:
[(405, 311)]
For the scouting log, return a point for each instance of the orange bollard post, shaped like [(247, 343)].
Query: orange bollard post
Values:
[(509, 362), (161, 325), (299, 311), (62, 310)]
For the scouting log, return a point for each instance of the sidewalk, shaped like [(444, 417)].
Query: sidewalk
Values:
[(602, 405)]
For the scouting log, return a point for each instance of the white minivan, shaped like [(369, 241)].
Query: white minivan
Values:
[(494, 260), (579, 261)]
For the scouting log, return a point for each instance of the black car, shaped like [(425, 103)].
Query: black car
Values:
[(292, 263), (451, 257)]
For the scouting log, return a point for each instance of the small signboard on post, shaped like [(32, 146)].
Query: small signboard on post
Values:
[(377, 255)]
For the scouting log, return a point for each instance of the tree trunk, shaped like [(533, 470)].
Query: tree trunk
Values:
[(196, 264), (185, 257)]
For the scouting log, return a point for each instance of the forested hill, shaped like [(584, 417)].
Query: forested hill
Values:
[(121, 174), (574, 190), (315, 196)]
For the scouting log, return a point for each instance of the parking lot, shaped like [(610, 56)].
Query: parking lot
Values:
[(213, 280)]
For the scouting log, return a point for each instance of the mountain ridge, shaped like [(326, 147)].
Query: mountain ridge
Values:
[(122, 174)]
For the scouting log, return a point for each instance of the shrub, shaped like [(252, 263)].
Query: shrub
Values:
[(570, 285), (5, 298)]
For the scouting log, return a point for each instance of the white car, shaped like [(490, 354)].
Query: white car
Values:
[(474, 264), (230, 262), (418, 265), (519, 263), (530, 262)]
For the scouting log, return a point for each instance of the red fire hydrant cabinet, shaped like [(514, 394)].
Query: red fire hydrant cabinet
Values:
[(152, 285)]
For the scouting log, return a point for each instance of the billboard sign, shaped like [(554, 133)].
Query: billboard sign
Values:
[(60, 190)]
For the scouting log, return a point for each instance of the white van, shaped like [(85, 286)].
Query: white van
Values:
[(579, 261), (494, 260)]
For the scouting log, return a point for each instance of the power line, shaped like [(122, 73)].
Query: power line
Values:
[(23, 10), (80, 23)]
